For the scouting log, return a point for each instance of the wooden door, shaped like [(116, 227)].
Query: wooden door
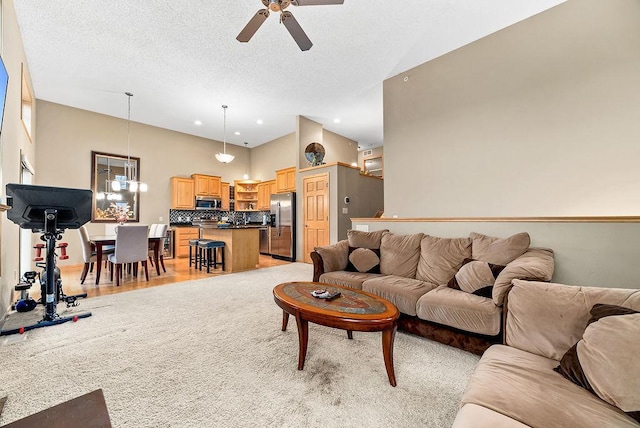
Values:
[(315, 212), (224, 189)]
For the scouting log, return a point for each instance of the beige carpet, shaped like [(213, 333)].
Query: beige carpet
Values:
[(210, 353)]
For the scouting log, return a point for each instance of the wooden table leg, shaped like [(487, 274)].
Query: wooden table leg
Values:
[(387, 350), (303, 337), (349, 334), (285, 320), (156, 254), (98, 261)]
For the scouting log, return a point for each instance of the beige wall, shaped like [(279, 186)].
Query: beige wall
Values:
[(338, 148), (276, 154), (13, 140), (307, 132), (68, 135), (539, 119)]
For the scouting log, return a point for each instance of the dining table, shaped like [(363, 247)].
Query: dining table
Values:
[(101, 241)]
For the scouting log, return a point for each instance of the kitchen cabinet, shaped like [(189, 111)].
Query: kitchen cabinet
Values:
[(182, 235), (246, 195), (286, 180), (207, 185), (182, 193), (265, 189), (224, 189)]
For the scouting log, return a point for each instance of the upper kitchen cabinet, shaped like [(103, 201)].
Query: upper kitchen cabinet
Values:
[(224, 189), (286, 180), (182, 193), (265, 189), (246, 195), (207, 185)]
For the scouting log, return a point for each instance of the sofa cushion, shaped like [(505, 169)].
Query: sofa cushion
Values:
[(604, 361), (399, 254), (524, 387), (334, 257), (402, 292), (547, 319), (474, 416), (499, 251), (348, 279), (476, 277), (360, 239), (364, 260), (537, 264), (440, 258), (460, 310)]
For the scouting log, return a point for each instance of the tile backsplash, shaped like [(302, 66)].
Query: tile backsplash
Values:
[(187, 216)]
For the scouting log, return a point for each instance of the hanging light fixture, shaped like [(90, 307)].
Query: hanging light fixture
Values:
[(224, 157), (246, 174), (130, 170)]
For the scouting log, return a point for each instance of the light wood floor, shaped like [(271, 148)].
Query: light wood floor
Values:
[(177, 271)]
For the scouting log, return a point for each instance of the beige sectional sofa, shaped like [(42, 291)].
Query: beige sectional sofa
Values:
[(448, 289), (550, 325)]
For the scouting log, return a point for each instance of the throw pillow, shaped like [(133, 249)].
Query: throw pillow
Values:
[(334, 257), (604, 361), (499, 251), (476, 277), (360, 239), (365, 260)]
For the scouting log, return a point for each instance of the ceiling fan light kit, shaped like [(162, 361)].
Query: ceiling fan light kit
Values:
[(286, 18)]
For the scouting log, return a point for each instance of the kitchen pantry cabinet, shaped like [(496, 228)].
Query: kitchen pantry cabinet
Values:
[(246, 195), (207, 185), (182, 235), (182, 193), (265, 189), (286, 180), (224, 189)]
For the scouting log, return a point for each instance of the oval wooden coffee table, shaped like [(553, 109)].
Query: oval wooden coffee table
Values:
[(353, 310)]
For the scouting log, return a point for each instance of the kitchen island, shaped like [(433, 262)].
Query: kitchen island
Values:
[(242, 248)]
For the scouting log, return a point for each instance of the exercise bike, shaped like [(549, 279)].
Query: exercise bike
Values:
[(25, 303), (48, 211)]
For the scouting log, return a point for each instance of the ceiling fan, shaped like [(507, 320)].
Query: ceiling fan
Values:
[(286, 18)]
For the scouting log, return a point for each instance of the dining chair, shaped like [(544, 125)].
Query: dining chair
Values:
[(89, 253), (132, 246), (158, 230)]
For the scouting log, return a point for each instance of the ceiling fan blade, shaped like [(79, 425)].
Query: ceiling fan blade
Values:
[(252, 26), (315, 2), (296, 31)]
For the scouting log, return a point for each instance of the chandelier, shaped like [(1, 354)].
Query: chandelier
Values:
[(130, 181), (224, 157)]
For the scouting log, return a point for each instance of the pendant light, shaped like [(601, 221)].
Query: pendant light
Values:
[(224, 157), (246, 174), (130, 170)]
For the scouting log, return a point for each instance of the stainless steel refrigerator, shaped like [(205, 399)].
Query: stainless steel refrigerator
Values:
[(283, 226)]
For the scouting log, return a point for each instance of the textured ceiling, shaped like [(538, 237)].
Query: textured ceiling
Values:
[(182, 61)]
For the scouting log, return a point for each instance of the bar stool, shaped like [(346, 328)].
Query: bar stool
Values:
[(211, 257), (194, 256)]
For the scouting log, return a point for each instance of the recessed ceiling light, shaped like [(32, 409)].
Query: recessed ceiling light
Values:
[(237, 133), (336, 120), (197, 122), (259, 122)]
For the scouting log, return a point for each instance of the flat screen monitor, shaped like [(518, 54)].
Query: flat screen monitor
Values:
[(4, 81), (28, 204)]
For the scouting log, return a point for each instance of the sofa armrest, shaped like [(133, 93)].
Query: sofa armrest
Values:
[(548, 318), (536, 264), (318, 267)]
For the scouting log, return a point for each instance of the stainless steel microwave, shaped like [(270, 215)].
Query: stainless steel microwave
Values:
[(208, 203)]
